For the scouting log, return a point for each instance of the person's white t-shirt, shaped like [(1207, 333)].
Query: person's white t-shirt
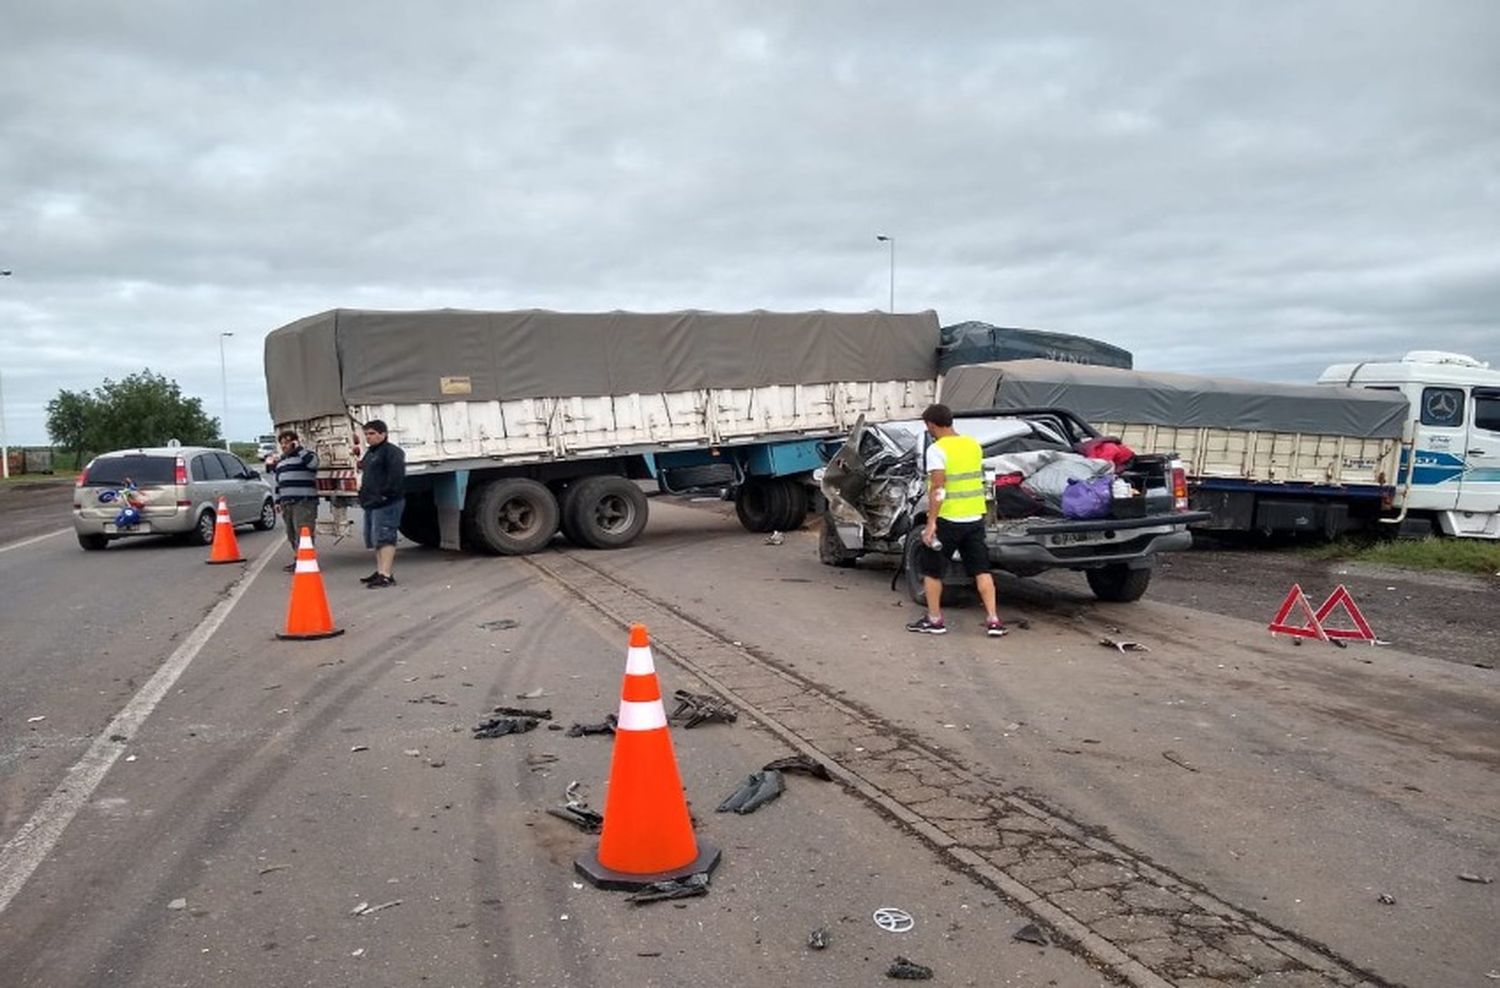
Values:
[(938, 460)]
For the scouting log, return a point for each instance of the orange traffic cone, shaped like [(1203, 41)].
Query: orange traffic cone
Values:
[(307, 613), (226, 548), (648, 835)]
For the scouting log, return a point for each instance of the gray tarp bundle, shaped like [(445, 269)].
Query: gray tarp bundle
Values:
[(1107, 394), (323, 363), (979, 342)]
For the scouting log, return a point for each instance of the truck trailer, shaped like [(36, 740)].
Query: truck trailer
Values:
[(519, 424)]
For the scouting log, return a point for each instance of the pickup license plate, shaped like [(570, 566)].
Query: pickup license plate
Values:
[(1070, 538)]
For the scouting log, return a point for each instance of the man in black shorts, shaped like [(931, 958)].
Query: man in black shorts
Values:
[(955, 521)]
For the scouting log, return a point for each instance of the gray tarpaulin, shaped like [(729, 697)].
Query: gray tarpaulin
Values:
[(979, 342), (1106, 394), (323, 363)]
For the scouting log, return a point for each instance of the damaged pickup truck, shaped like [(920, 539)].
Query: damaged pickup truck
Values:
[(877, 500)]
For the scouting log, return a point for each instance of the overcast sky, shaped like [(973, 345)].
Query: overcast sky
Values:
[(1252, 188)]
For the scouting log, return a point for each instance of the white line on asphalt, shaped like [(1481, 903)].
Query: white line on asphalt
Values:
[(34, 539), (24, 853)]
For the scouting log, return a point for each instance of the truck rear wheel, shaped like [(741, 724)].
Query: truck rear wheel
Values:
[(605, 512), (753, 504), (514, 516), (1118, 583)]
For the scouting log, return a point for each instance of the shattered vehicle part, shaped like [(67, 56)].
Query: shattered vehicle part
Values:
[(698, 708), (606, 726), (523, 712), (902, 969), (801, 764), (684, 888), (580, 816), (1031, 933), (757, 790), (818, 939), (499, 727), (893, 920), (1123, 646)]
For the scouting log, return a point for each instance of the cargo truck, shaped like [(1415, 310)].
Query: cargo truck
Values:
[(517, 425)]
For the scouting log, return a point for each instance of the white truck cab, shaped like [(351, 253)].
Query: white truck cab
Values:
[(1450, 469)]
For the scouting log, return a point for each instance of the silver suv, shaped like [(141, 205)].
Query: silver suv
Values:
[(172, 489)]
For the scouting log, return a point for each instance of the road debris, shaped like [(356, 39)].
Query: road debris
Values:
[(413, 752), (701, 707), (577, 812), (1023, 623), (1123, 646), (605, 726), (757, 790), (801, 764), (365, 909), (503, 624), (540, 761), (36, 720), (357, 953), (893, 920), (686, 888), (1178, 760), (1386, 899), (535, 694), (360, 747), (499, 727), (818, 939), (1476, 879), (905, 970), (1031, 933), (775, 538), (268, 869), (176, 905), (431, 698)]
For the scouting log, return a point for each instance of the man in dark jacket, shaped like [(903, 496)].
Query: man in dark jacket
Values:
[(296, 475), (381, 495)]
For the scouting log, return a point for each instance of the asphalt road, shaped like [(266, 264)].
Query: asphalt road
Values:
[(1225, 809)]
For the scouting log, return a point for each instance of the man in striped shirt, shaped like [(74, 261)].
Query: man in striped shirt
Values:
[(296, 472)]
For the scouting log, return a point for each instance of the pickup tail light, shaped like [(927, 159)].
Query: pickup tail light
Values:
[(1179, 486), (179, 473)]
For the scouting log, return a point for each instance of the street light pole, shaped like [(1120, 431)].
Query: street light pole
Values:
[(892, 241), (4, 446), (224, 385)]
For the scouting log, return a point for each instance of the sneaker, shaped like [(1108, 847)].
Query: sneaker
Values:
[(995, 628), (381, 581), (925, 625), (370, 579), (289, 568)]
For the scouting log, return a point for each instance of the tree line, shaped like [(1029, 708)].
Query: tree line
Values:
[(144, 409)]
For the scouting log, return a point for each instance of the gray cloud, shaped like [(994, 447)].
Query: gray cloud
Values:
[(1225, 188)]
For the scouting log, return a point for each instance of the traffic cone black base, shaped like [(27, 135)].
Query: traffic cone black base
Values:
[(587, 864), (312, 637)]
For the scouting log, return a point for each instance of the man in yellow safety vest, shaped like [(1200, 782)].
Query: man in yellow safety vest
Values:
[(955, 521)]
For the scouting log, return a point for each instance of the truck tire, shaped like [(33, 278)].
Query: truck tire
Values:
[(514, 516), (91, 542), (567, 503), (606, 512), (794, 505), (1118, 583), (831, 550), (419, 520), (755, 503)]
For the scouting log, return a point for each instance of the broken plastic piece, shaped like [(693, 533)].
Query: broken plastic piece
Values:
[(686, 888), (904, 970), (1476, 879), (758, 789), (523, 712), (606, 726), (531, 694), (498, 727), (585, 819), (700, 707), (503, 624), (1031, 933), (1122, 646), (803, 764), (1386, 899), (818, 939)]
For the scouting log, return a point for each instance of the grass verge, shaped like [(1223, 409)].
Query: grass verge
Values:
[(1454, 555)]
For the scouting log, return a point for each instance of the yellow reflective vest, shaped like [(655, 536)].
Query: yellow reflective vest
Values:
[(963, 486)]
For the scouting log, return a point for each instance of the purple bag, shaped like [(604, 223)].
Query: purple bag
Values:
[(1083, 499)]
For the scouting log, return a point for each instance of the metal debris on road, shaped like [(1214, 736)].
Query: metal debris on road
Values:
[(36, 720), (1123, 646), (585, 819), (499, 727), (701, 707), (686, 888), (605, 726), (1386, 899), (1031, 933), (1476, 879), (757, 790), (431, 698), (413, 752), (801, 764), (775, 538), (270, 868), (503, 624), (365, 909), (893, 920), (1178, 760), (360, 747), (905, 970), (818, 939), (1023, 623), (545, 714), (532, 694), (177, 904)]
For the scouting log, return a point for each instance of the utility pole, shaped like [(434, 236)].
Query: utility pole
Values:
[(224, 385), (892, 241)]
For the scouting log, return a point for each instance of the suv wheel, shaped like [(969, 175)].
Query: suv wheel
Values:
[(92, 543), (203, 532), (267, 519)]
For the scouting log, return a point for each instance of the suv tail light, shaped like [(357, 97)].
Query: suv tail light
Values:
[(179, 473), (1179, 486), (82, 476)]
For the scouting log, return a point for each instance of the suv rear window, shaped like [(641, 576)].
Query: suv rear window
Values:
[(112, 471)]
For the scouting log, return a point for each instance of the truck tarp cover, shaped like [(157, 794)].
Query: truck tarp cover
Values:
[(1105, 394), (978, 342), (322, 364)]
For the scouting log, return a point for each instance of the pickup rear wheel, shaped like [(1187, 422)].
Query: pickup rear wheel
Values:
[(911, 567), (1118, 583), (514, 516), (607, 512)]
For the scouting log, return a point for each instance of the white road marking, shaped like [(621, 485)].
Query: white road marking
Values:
[(24, 853), (33, 540)]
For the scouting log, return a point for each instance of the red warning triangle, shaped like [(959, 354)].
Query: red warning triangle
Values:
[(1295, 599), (1341, 598)]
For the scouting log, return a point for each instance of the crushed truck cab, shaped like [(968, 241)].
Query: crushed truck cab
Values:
[(877, 500)]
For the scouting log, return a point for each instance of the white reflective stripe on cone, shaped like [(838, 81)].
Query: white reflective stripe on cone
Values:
[(638, 662), (304, 543), (307, 566), (646, 716)]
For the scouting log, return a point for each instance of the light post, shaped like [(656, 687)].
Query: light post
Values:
[(4, 446), (892, 241), (224, 385)]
